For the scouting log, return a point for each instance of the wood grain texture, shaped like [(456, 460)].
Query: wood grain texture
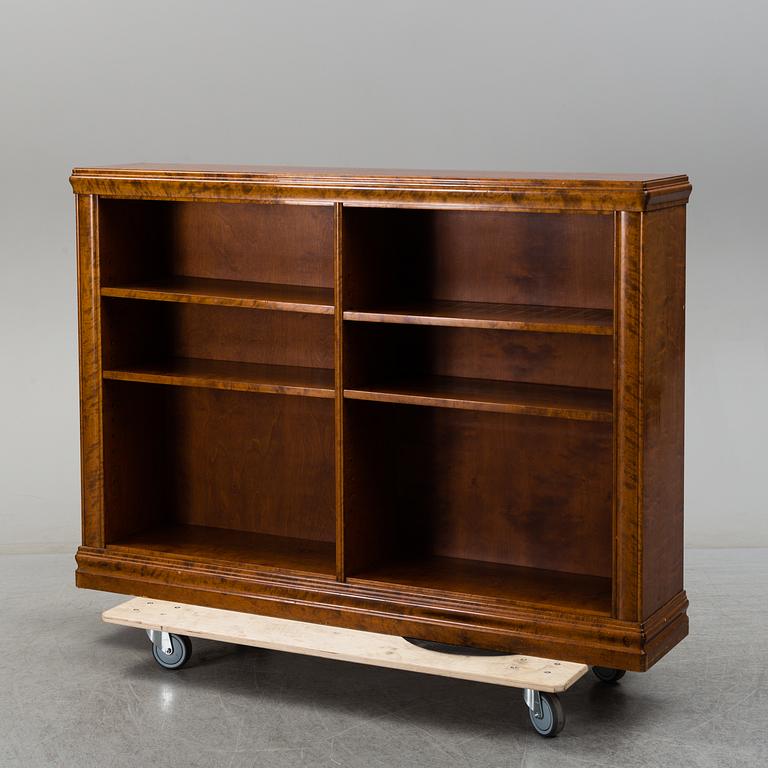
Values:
[(371, 176), (493, 302), (477, 256), (138, 333), (218, 459), (224, 374), (89, 332), (566, 635), (627, 417), (507, 583), (228, 548), (384, 353), (228, 293), (342, 645), (156, 239), (338, 352), (253, 463), (503, 489), (511, 190), (496, 396), (138, 439), (508, 317), (650, 394), (663, 386)]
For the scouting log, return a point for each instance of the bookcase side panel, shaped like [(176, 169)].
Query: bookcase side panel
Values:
[(663, 387), (89, 329), (650, 296)]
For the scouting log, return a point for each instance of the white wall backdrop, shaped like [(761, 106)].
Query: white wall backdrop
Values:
[(667, 85)]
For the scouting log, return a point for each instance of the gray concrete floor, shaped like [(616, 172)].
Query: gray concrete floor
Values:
[(75, 692)]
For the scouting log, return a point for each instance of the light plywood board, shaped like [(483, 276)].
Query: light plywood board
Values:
[(342, 644)]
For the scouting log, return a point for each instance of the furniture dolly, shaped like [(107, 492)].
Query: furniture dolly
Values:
[(446, 406), (170, 626)]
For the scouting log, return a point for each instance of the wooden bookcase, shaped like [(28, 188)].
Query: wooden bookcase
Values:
[(447, 406)]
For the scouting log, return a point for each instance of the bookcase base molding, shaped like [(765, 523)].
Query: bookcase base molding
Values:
[(590, 640), (435, 405)]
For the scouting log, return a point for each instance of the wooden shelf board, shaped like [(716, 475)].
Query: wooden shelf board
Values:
[(508, 583), (198, 543), (498, 396), (473, 314), (228, 293), (224, 374)]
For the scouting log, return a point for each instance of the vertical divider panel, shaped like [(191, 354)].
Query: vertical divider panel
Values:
[(627, 422), (89, 327), (338, 333)]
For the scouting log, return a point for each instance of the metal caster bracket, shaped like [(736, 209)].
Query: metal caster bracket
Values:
[(161, 640), (533, 701)]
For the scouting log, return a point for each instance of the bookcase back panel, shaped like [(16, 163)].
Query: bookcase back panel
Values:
[(240, 461), (513, 258), (480, 486), (137, 332), (379, 351), (261, 463), (264, 243), (137, 491)]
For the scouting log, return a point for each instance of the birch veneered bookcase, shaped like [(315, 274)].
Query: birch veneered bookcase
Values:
[(447, 406)]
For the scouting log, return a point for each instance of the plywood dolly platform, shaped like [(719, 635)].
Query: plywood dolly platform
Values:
[(170, 625)]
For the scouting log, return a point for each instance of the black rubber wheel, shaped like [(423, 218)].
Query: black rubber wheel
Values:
[(552, 717), (608, 675), (181, 650)]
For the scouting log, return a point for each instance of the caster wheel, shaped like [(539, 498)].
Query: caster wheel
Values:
[(608, 675), (552, 717), (181, 650)]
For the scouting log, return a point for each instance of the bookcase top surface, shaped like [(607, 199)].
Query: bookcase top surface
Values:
[(598, 191), (384, 174)]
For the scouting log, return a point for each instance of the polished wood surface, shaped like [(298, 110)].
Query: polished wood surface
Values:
[(369, 175), (498, 396), (237, 464), (136, 441), (510, 190), (224, 374), (276, 244), (433, 404), (198, 543), (627, 415), (535, 587), (383, 353), (153, 332), (228, 293), (219, 459), (339, 404), (507, 317), (90, 360), (477, 256), (663, 427), (567, 634), (498, 488)]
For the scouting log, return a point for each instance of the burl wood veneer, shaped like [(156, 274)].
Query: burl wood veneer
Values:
[(442, 405)]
